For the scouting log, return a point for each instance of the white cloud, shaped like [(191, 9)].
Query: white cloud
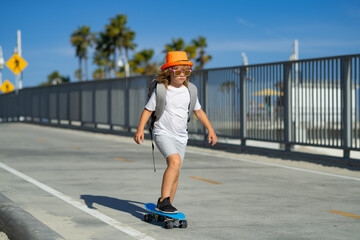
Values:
[(244, 22), (281, 45)]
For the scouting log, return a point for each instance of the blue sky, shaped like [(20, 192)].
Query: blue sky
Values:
[(264, 30)]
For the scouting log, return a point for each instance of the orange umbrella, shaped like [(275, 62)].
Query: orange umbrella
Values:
[(268, 92)]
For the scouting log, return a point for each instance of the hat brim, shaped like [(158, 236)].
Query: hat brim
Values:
[(176, 63)]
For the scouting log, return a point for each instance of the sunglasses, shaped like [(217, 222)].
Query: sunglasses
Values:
[(186, 72)]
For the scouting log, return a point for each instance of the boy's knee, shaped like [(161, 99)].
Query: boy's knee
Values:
[(174, 161)]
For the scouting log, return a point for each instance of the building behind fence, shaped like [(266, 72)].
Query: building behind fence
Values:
[(306, 102)]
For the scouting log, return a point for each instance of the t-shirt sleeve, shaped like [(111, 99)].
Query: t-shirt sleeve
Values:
[(197, 105), (151, 104)]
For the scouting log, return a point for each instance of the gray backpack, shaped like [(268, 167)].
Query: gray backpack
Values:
[(161, 102)]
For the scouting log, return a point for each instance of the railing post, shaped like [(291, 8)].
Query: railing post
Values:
[(17, 106), (93, 117), (288, 129), (204, 94), (39, 105), (30, 100), (80, 105), (57, 104), (127, 104), (68, 101), (109, 106), (346, 105), (243, 106)]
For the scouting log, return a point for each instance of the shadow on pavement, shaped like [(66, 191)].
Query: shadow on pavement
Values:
[(115, 203)]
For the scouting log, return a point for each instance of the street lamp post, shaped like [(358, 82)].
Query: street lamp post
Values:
[(19, 52), (2, 62)]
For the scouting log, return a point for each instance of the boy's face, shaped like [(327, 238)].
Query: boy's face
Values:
[(178, 80)]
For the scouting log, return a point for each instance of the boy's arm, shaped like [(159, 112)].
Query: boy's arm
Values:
[(200, 114), (140, 130)]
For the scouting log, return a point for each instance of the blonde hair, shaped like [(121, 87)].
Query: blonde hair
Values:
[(164, 75)]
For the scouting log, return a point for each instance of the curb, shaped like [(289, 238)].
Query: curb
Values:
[(20, 225)]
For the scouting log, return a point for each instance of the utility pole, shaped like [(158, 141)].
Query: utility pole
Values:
[(294, 57), (244, 58), (19, 52), (124, 62), (2, 62), (295, 54)]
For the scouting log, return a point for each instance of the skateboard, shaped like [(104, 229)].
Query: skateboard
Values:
[(170, 220)]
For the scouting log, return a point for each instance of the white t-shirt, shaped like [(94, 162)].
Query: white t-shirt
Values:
[(173, 121)]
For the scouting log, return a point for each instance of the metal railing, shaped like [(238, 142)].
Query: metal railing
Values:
[(306, 102)]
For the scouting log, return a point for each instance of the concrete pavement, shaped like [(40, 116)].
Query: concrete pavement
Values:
[(93, 186)]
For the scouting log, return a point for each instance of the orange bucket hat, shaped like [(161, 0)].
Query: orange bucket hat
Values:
[(176, 58)]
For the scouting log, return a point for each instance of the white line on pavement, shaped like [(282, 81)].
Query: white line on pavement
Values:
[(106, 219)]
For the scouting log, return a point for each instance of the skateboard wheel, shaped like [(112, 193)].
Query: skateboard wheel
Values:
[(148, 218), (169, 224), (182, 224)]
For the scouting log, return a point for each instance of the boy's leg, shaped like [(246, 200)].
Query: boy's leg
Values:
[(173, 190), (171, 177)]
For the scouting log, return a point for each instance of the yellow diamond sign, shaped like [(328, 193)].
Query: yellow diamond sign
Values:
[(7, 87), (16, 63)]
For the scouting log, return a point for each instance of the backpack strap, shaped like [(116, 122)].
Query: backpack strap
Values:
[(160, 100), (193, 97), (160, 106)]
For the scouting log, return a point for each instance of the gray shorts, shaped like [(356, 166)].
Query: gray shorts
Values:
[(169, 146)]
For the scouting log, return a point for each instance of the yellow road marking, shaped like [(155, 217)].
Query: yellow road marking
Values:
[(345, 214), (77, 148), (205, 180), (42, 140), (123, 159)]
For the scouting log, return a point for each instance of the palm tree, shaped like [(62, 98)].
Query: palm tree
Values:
[(116, 30), (55, 78), (175, 45), (76, 41), (78, 74), (104, 48), (99, 73), (81, 39), (101, 60), (191, 51), (141, 63), (202, 59), (128, 45)]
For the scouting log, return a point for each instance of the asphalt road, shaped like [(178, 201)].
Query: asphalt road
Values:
[(93, 186)]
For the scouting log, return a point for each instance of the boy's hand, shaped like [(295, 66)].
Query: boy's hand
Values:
[(139, 135), (212, 136)]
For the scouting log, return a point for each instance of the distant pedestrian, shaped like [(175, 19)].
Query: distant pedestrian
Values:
[(170, 130)]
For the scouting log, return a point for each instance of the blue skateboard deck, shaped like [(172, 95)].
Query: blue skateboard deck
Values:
[(151, 207), (170, 220)]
